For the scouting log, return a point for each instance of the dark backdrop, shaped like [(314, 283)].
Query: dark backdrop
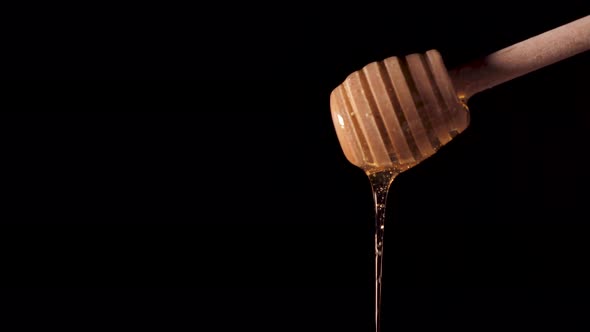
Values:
[(207, 191)]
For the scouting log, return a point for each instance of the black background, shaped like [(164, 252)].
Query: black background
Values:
[(191, 180)]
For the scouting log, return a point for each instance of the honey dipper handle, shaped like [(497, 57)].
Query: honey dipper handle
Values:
[(522, 58)]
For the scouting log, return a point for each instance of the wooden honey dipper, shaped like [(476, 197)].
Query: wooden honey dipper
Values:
[(394, 113)]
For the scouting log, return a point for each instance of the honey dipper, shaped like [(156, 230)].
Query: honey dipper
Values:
[(397, 112)]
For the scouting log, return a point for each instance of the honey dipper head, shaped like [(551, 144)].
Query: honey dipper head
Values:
[(397, 112)]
